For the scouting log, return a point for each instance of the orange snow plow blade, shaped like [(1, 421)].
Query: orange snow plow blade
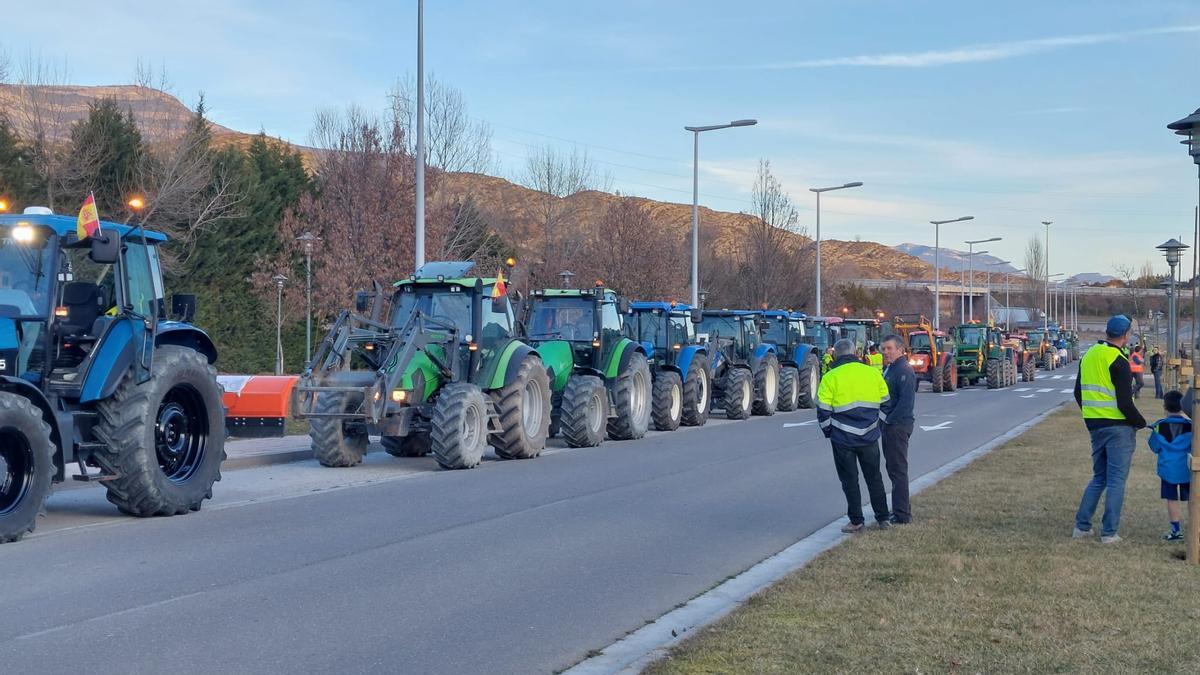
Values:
[(256, 406)]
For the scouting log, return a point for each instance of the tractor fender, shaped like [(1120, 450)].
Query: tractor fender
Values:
[(112, 357), (686, 355), (20, 387), (800, 353), (186, 335), (621, 355), (559, 360), (509, 365), (761, 351), (648, 347)]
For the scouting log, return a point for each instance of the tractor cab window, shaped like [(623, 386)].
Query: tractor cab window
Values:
[(648, 326), (144, 276), (565, 318), (610, 319), (681, 330), (778, 331), (970, 335), (497, 326), (714, 329), (26, 269), (442, 304), (918, 342), (753, 336)]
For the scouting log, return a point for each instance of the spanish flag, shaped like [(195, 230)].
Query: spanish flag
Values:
[(499, 290), (88, 223)]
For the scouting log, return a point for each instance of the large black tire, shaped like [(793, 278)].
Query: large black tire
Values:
[(994, 374), (555, 412), (631, 394), (524, 410), (1030, 368), (336, 442), (810, 381), (950, 375), (738, 393), (165, 437), (412, 445), (766, 385), (697, 393), (937, 381), (668, 401), (460, 426), (789, 389), (584, 411), (27, 466), (1048, 361)]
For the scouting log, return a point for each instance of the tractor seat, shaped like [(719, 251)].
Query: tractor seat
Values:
[(83, 302)]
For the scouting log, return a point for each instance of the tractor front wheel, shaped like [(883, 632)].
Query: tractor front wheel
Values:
[(584, 411), (631, 393), (766, 385), (412, 445), (524, 410), (697, 394), (994, 374), (668, 401), (789, 388), (26, 466), (950, 382), (739, 394), (337, 442), (1029, 369), (460, 425), (810, 381), (165, 437)]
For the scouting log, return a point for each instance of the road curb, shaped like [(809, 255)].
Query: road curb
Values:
[(640, 648)]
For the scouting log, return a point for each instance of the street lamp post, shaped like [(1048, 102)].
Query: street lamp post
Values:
[(1046, 271), (971, 266), (818, 192), (1047, 312), (308, 239), (279, 280), (937, 266), (1172, 249), (419, 183), (696, 131), (1008, 298)]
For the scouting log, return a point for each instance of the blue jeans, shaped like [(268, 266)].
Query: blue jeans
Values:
[(1112, 452)]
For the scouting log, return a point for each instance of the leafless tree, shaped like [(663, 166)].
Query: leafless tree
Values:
[(767, 250), (560, 237), (635, 254), (1035, 269), (42, 119), (453, 140)]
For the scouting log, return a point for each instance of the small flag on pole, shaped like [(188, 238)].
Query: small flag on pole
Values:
[(88, 223), (499, 290)]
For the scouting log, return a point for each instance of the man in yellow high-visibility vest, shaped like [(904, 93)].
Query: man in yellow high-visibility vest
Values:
[(874, 358), (1104, 392)]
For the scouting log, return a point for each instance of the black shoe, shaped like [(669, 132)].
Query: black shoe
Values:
[(897, 520), (883, 524)]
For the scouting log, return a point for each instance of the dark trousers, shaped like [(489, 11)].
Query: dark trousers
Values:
[(1158, 392), (895, 454), (847, 459), (1138, 383)]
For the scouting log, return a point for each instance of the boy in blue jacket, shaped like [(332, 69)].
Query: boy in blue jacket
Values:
[(1171, 440)]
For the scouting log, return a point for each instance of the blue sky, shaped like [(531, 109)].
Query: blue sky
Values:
[(1013, 112)]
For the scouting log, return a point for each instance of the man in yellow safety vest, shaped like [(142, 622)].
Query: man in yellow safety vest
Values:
[(1104, 392), (874, 358)]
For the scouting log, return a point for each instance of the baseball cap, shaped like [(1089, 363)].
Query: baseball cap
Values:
[(1118, 326)]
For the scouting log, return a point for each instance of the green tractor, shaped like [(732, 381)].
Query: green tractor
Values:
[(445, 373), (983, 354), (1043, 348), (600, 379)]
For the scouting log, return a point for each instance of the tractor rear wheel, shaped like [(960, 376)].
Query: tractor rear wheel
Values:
[(789, 389), (26, 466), (994, 375), (937, 381), (631, 394), (810, 381), (336, 442), (412, 445), (766, 385), (1030, 368), (697, 393), (524, 410), (584, 411), (165, 437), (739, 394), (460, 426), (951, 375), (668, 400)]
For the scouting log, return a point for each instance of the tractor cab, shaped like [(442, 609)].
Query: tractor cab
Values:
[(662, 328), (822, 332), (86, 341), (588, 320), (864, 332), (799, 358), (745, 367), (678, 362), (734, 333)]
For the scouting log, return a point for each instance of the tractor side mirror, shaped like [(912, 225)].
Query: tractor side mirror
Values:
[(106, 249), (362, 301), (500, 304), (623, 306), (183, 307), (697, 315), (763, 324)]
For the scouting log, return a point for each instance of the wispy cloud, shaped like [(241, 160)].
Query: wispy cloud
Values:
[(958, 55)]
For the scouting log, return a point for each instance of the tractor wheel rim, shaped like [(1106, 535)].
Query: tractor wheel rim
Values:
[(531, 398), (639, 397), (812, 382), (16, 469), (181, 433), (747, 394), (470, 427), (594, 418), (676, 401), (772, 387), (794, 399), (702, 396)]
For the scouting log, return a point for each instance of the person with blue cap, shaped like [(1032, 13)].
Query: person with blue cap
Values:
[(1104, 393)]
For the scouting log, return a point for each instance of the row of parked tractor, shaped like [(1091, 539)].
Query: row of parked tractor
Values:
[(974, 353)]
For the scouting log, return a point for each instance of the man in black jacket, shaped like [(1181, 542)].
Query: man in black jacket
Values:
[(1156, 369), (898, 423)]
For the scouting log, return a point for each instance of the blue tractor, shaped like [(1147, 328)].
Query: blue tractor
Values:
[(93, 374), (745, 369), (799, 359), (678, 363)]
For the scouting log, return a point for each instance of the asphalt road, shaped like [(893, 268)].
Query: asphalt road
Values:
[(514, 567)]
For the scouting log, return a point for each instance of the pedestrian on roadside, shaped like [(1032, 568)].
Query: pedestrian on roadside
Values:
[(874, 358), (898, 424), (1171, 440), (1104, 393), (827, 361), (1137, 366), (1156, 368), (849, 403)]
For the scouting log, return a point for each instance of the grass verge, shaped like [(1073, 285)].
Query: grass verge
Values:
[(986, 580)]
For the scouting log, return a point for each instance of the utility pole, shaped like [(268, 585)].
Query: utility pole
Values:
[(420, 181)]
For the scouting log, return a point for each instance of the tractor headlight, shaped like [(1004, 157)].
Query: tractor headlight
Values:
[(22, 234), (399, 396), (913, 362)]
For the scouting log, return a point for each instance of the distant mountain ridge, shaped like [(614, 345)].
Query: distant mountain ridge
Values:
[(954, 260)]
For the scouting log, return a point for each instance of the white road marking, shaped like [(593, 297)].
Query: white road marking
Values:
[(937, 427), (789, 425), (953, 394), (1029, 396), (1023, 389), (1056, 377), (1067, 391), (1045, 391)]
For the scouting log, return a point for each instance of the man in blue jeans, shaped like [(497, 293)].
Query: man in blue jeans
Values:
[(1104, 393)]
